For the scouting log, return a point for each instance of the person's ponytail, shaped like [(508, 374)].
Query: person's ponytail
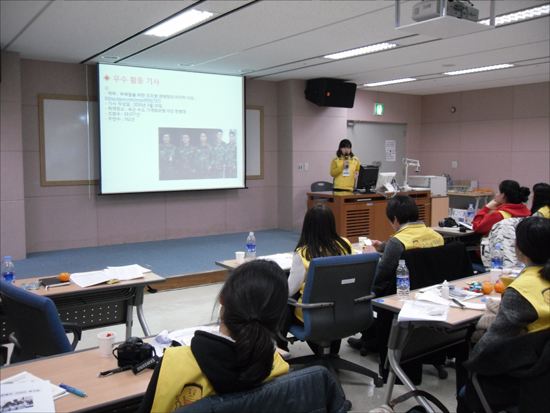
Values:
[(254, 299)]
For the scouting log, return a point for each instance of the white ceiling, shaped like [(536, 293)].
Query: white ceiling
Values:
[(277, 40)]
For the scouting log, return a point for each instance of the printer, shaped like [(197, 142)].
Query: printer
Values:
[(436, 184)]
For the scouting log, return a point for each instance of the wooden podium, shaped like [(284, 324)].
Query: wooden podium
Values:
[(364, 215)]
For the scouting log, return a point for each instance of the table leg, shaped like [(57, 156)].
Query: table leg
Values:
[(129, 320), (142, 321)]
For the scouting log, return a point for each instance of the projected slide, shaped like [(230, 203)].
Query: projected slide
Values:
[(169, 131)]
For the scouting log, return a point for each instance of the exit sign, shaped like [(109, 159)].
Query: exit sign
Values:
[(378, 109)]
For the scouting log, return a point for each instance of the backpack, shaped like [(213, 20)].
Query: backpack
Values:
[(503, 233)]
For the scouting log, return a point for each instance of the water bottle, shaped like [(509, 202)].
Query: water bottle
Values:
[(496, 260), (403, 282), (8, 270), (250, 246), (445, 290), (470, 214)]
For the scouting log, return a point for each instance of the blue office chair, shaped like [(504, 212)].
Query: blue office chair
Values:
[(321, 186), (336, 303), (37, 328), (306, 390)]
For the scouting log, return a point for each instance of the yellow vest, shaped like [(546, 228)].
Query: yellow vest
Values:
[(182, 382), (545, 211), (302, 251), (505, 214), (341, 181), (418, 236), (536, 290)]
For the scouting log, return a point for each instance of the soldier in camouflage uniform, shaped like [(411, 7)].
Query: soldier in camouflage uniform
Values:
[(203, 163), (231, 157), (186, 159), (167, 158), (218, 156)]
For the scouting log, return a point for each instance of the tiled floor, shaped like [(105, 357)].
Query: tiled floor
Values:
[(176, 309)]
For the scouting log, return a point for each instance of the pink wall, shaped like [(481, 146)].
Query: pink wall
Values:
[(495, 134)]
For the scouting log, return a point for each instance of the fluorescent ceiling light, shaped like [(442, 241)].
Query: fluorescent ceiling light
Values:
[(520, 15), (390, 82), (179, 23), (478, 69), (361, 50)]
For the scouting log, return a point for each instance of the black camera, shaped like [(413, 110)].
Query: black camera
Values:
[(448, 223), (133, 352)]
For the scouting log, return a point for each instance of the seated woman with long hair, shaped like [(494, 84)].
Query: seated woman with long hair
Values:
[(508, 202), (318, 239), (541, 200), (239, 356)]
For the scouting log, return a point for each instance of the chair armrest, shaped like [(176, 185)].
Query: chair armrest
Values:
[(313, 305), (365, 298), (76, 330)]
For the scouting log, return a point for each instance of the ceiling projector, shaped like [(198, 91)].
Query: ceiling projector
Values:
[(430, 9)]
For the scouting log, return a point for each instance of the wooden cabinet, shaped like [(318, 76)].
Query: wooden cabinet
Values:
[(365, 214)]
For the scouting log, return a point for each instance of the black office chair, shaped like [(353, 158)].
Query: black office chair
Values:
[(306, 390), (321, 186), (336, 303), (511, 374), (427, 266), (38, 330)]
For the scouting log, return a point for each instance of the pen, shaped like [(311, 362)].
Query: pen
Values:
[(73, 390), (117, 370), (454, 300)]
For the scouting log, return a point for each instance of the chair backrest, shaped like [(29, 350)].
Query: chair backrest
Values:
[(36, 323), (341, 281), (503, 233), (311, 389), (321, 186), (429, 266)]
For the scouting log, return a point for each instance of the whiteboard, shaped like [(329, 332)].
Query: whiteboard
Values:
[(69, 140)]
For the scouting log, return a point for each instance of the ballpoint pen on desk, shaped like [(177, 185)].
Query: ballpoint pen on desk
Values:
[(113, 371), (454, 300), (73, 390)]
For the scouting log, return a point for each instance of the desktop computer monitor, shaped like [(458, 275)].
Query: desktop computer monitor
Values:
[(368, 174), (384, 182)]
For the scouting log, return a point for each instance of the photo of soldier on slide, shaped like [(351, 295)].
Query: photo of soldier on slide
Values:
[(196, 153)]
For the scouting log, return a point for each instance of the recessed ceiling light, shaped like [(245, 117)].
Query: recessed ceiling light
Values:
[(390, 82), (479, 69), (360, 51), (110, 57), (179, 23), (520, 15)]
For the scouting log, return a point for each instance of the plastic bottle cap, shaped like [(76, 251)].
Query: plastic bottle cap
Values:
[(7, 258)]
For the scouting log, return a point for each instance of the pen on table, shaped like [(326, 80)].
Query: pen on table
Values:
[(73, 390), (117, 370), (454, 300)]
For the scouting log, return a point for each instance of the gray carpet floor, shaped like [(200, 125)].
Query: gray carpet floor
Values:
[(165, 258)]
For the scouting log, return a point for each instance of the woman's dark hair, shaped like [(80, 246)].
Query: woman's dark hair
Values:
[(254, 299), (541, 196), (344, 143), (403, 208), (514, 193), (319, 236), (533, 239)]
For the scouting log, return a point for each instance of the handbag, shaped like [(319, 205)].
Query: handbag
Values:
[(416, 409)]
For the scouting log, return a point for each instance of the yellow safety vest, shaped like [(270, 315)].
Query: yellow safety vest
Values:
[(418, 236), (545, 211), (341, 181), (182, 382), (302, 251), (536, 290), (505, 214)]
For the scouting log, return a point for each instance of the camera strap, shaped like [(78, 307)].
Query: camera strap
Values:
[(149, 363)]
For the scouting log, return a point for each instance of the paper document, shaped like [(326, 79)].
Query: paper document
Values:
[(284, 260), (26, 377), (27, 396), (419, 310), (128, 272)]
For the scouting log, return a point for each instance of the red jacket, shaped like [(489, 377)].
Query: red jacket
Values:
[(485, 219)]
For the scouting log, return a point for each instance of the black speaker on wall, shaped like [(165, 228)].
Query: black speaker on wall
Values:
[(331, 92)]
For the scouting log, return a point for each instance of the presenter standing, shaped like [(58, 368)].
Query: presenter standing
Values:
[(345, 167)]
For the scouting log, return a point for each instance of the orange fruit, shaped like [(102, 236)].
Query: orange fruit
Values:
[(64, 276), (487, 288), (499, 287)]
